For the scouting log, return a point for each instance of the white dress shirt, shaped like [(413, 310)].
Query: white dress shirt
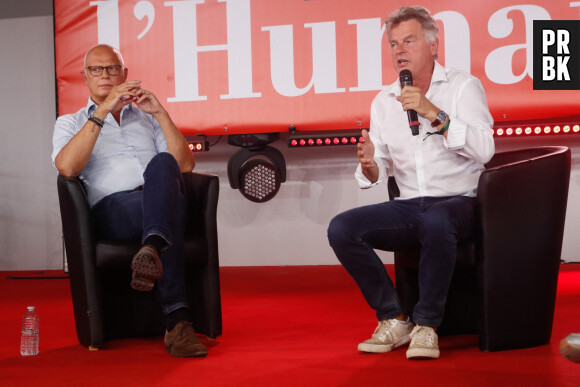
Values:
[(433, 165)]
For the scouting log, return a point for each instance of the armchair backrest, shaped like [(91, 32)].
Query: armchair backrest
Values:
[(522, 198)]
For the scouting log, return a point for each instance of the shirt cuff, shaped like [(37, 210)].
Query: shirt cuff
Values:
[(364, 182), (456, 134)]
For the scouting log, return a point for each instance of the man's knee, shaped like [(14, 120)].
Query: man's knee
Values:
[(163, 162), (337, 229)]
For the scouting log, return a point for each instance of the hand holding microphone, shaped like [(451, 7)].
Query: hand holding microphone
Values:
[(416, 104), (406, 79)]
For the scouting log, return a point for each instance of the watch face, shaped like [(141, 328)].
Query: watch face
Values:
[(442, 116)]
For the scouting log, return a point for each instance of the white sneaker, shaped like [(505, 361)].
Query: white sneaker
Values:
[(389, 335), (424, 344), (570, 347)]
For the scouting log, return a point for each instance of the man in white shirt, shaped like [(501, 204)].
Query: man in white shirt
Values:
[(437, 172)]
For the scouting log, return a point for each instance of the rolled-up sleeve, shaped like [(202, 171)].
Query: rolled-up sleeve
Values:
[(381, 157), (65, 129)]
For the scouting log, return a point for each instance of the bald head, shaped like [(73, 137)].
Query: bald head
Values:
[(104, 49)]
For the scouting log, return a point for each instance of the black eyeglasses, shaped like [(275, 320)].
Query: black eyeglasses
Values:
[(96, 71)]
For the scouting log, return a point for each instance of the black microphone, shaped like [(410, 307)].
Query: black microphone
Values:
[(406, 79)]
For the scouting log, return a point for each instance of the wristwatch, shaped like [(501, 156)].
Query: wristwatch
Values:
[(441, 118)]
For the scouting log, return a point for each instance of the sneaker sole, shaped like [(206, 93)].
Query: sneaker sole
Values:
[(569, 352), (383, 348), (422, 354)]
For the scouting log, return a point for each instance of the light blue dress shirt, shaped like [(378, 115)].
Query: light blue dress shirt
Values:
[(121, 152)]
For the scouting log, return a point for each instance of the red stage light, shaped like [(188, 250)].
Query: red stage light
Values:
[(344, 140), (336, 141), (302, 142), (198, 146), (293, 142), (310, 142), (327, 141), (318, 141)]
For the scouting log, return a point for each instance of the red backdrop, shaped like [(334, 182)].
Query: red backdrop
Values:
[(242, 66)]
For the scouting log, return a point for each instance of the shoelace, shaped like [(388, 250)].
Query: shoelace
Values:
[(422, 336), (385, 327)]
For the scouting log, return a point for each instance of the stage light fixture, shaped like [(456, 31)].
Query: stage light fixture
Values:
[(257, 172), (259, 180), (199, 144)]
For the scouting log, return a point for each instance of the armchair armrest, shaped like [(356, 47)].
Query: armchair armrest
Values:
[(202, 198), (80, 249)]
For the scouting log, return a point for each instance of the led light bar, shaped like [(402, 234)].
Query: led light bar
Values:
[(535, 130), (317, 139)]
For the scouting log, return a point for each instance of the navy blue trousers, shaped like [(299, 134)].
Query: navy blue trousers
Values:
[(434, 224), (157, 208)]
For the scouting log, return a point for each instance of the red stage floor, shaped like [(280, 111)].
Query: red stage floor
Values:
[(283, 326)]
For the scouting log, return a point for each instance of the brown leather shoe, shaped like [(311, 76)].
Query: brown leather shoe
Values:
[(183, 342), (147, 268)]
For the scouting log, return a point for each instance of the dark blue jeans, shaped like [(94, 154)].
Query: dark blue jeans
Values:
[(435, 224), (158, 208)]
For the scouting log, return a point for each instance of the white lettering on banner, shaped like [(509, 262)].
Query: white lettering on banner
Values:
[(324, 78), (370, 34), (498, 64), (107, 22), (456, 37), (186, 48), (144, 9), (369, 37)]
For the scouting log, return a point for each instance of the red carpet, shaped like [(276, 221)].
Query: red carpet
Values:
[(283, 326)]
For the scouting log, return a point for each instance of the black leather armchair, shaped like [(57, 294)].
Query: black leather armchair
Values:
[(105, 306), (505, 279)]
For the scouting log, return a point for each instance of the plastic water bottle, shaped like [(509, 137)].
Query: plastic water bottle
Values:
[(30, 328)]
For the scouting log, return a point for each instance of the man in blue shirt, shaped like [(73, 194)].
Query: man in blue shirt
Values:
[(131, 156)]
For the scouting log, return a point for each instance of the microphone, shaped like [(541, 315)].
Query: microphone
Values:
[(406, 79)]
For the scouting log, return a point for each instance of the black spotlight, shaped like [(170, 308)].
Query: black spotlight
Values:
[(257, 173)]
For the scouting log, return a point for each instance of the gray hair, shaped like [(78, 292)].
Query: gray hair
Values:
[(421, 14)]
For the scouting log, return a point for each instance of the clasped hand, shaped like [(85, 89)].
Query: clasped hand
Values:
[(132, 92)]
